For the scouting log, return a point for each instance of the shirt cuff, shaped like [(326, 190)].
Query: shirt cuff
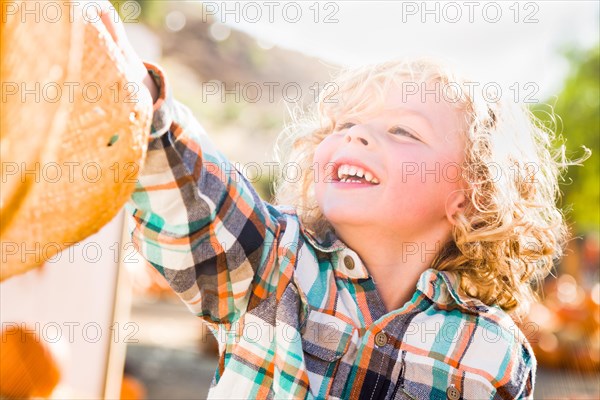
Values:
[(162, 115)]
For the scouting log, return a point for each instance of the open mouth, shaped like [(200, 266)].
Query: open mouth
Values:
[(355, 174)]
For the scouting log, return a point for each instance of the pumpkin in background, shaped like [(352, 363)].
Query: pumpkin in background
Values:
[(132, 389), (564, 330), (27, 368)]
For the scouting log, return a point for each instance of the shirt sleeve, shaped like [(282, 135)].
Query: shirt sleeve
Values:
[(529, 384), (198, 221), (528, 381), (521, 369)]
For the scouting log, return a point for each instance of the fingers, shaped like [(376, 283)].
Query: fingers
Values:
[(106, 8), (112, 22), (109, 17)]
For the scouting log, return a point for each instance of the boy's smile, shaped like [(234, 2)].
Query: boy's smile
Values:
[(349, 171)]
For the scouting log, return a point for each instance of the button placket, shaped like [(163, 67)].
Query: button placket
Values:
[(452, 393), (381, 339), (349, 262)]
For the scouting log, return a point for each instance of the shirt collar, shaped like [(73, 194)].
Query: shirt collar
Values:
[(441, 287), (327, 243)]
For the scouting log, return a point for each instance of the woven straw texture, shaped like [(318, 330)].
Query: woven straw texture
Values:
[(71, 155)]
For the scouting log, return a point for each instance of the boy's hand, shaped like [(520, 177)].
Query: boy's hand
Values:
[(136, 69)]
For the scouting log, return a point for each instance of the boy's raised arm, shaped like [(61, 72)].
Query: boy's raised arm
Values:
[(194, 217), (197, 220)]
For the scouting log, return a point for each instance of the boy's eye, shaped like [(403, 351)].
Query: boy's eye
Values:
[(345, 125), (398, 130)]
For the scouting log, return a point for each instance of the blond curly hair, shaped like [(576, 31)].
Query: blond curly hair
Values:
[(511, 230)]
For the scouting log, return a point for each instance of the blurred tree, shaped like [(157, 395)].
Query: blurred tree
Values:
[(578, 110), (150, 12)]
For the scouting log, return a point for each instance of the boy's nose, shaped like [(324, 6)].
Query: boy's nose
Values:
[(356, 136)]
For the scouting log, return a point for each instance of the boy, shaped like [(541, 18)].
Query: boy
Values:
[(376, 281)]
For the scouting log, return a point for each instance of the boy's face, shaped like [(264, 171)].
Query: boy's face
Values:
[(411, 151)]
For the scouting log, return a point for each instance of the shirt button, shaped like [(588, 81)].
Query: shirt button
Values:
[(452, 393), (349, 262), (381, 339)]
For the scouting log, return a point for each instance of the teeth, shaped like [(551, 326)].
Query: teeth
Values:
[(346, 172)]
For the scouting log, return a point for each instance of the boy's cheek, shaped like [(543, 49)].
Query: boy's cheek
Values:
[(430, 172), (422, 192), (320, 163)]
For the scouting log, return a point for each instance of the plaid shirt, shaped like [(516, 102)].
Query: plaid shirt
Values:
[(298, 316)]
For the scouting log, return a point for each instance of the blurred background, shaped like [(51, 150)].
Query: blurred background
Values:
[(555, 51), (544, 53)]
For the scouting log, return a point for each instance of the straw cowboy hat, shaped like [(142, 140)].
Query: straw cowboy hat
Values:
[(74, 130)]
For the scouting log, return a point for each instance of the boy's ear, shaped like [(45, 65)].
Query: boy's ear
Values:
[(455, 204)]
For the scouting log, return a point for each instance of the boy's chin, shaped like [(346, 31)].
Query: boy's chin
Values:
[(347, 217)]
